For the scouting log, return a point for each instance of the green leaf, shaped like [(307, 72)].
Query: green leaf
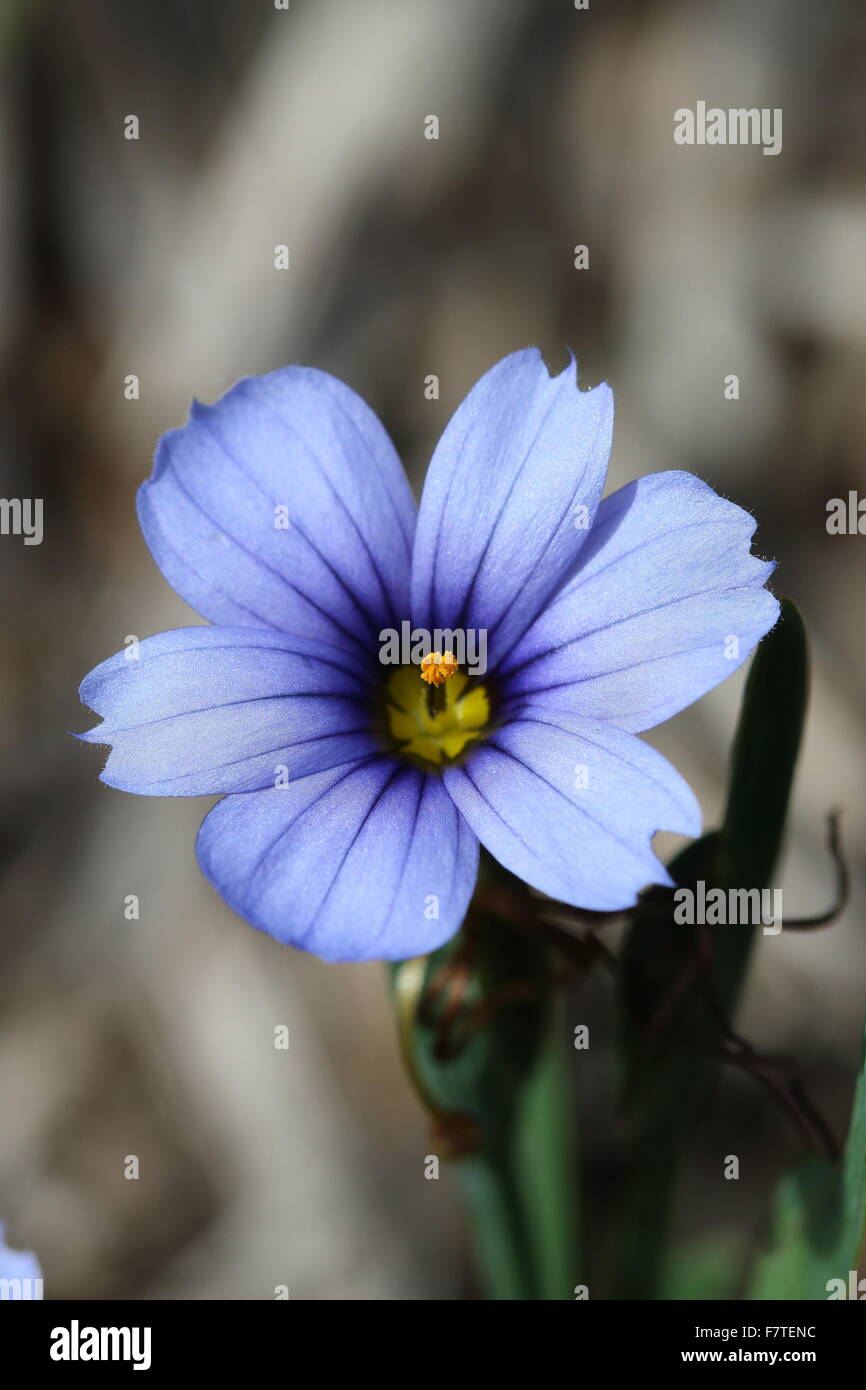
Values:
[(670, 1035), (486, 1050), (765, 754), (819, 1221)]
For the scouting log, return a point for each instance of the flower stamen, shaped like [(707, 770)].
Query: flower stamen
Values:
[(437, 667)]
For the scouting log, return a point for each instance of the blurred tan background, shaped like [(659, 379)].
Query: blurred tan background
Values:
[(409, 257)]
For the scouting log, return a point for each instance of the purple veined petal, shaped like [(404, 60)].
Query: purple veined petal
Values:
[(368, 862), (512, 484), (21, 1265), (225, 709), (284, 506), (570, 806), (667, 602)]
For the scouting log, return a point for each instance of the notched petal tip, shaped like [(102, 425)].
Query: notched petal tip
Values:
[(602, 389), (690, 823), (161, 461), (97, 735), (662, 877)]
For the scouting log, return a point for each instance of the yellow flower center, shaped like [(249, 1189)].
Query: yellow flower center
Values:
[(441, 732)]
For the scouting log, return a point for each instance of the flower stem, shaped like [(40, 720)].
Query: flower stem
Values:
[(485, 1050), (521, 1191), (491, 1194)]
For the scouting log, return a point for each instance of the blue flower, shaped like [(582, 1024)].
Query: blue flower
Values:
[(356, 793), (19, 1272)]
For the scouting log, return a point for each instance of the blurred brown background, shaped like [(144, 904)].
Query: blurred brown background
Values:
[(409, 257)]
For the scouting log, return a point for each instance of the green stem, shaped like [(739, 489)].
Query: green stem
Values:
[(548, 1166), (502, 1110), (521, 1190), (491, 1195)]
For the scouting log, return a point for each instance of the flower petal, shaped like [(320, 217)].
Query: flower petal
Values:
[(216, 709), (369, 862), (499, 526), (570, 806), (667, 602), (334, 561)]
